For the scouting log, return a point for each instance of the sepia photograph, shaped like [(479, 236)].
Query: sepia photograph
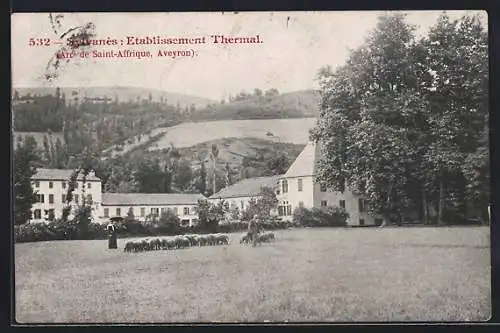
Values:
[(250, 167)]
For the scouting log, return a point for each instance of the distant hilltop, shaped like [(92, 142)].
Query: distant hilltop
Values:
[(121, 93)]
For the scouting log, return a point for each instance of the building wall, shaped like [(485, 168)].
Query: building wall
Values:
[(352, 205), (42, 187), (240, 202), (142, 211), (312, 196), (293, 197)]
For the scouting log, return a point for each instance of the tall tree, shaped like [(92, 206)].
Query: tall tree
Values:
[(24, 160), (397, 117), (184, 174), (202, 183)]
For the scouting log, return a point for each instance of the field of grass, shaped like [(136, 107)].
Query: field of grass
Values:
[(358, 274)]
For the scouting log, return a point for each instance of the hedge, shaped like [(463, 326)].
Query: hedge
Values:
[(320, 217), (35, 232)]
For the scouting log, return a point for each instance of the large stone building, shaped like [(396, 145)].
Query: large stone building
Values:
[(146, 206), (298, 188), (51, 186), (239, 194)]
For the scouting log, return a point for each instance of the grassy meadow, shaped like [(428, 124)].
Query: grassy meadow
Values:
[(356, 274)]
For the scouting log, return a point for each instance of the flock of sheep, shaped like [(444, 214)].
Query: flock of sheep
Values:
[(262, 238), (184, 241), (177, 242)]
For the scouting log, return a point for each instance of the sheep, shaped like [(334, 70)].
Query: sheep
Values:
[(202, 240), (192, 240), (128, 247), (222, 239), (171, 244), (245, 239)]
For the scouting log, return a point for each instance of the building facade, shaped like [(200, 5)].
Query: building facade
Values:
[(150, 206), (298, 188), (51, 186), (241, 193)]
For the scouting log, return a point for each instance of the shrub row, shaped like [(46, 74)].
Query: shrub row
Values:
[(35, 232), (178, 242), (320, 217)]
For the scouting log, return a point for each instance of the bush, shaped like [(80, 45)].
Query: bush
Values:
[(57, 230), (320, 217)]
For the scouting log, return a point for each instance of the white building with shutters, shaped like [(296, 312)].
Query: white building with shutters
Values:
[(51, 186), (298, 188)]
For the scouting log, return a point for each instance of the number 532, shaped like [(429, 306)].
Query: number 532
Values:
[(39, 42)]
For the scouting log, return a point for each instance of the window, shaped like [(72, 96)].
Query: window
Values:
[(162, 210), (185, 222), (63, 184), (89, 185), (299, 184), (51, 185), (242, 204), (37, 214), (37, 184), (76, 198), (284, 185), (106, 212), (342, 204), (40, 198), (322, 187), (89, 199), (118, 212), (324, 203), (63, 198), (155, 211), (51, 198), (51, 215), (289, 210), (361, 222), (186, 210), (143, 211), (301, 204), (362, 205)]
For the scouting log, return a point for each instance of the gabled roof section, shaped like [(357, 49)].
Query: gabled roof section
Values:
[(61, 174), (247, 187), (150, 199), (306, 163)]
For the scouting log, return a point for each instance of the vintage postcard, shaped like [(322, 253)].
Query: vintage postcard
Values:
[(251, 167)]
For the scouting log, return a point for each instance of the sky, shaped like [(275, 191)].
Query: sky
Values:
[(295, 46)]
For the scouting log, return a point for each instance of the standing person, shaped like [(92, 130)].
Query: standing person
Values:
[(254, 229), (112, 242)]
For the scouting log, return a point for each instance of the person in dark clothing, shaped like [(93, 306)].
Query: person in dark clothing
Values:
[(112, 241), (254, 228)]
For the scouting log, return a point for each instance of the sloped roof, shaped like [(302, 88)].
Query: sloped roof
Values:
[(305, 163), (247, 187), (60, 174), (150, 199)]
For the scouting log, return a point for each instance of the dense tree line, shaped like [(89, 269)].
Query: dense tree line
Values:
[(405, 121), (24, 167), (86, 124)]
